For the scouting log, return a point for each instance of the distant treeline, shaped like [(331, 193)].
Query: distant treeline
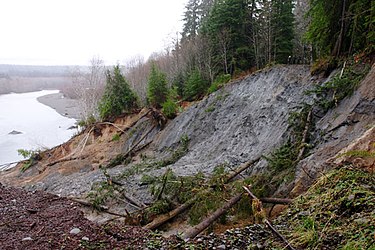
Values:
[(29, 78), (8, 71)]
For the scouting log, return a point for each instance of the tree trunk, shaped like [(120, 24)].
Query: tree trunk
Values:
[(267, 222), (304, 136), (166, 217), (194, 231), (242, 168), (337, 49)]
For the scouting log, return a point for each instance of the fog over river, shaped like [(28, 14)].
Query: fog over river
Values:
[(28, 124)]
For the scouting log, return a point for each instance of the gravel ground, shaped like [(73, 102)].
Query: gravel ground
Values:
[(38, 220), (63, 105)]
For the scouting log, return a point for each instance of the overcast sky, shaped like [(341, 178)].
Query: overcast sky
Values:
[(60, 32)]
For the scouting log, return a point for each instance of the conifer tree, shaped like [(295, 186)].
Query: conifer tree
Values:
[(195, 86), (282, 29), (117, 97), (339, 27), (157, 90)]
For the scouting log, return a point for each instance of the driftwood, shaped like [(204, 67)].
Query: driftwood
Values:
[(194, 231), (267, 222), (166, 217)]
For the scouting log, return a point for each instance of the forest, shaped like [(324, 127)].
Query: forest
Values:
[(228, 39)]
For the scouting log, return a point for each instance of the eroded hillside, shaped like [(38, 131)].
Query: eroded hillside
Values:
[(242, 124)]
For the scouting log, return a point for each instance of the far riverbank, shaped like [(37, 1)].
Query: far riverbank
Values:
[(64, 106)]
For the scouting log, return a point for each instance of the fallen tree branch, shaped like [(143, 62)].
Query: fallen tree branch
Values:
[(104, 209), (282, 201), (304, 136), (267, 222), (166, 217), (132, 200), (240, 169), (135, 122), (194, 231)]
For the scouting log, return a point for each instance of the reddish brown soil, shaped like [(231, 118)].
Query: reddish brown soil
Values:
[(48, 220)]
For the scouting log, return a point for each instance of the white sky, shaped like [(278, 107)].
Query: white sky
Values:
[(60, 32)]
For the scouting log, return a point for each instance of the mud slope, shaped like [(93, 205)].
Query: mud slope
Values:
[(246, 119), (241, 122)]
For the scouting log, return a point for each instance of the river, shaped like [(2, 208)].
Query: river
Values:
[(34, 125)]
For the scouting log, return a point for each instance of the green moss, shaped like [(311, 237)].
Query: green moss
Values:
[(338, 212), (116, 137)]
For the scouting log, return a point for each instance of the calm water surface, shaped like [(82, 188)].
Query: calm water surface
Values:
[(40, 125)]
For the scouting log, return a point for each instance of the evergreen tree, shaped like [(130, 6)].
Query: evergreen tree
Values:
[(282, 23), (226, 28), (117, 97), (195, 86), (191, 20), (339, 27), (157, 90)]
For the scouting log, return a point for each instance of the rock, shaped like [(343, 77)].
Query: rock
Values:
[(27, 239), (75, 231), (15, 132), (72, 127), (85, 238), (221, 247)]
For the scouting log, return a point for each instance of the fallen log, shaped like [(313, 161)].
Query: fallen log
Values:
[(267, 222), (304, 136), (283, 201), (194, 231), (166, 217), (104, 209), (240, 169)]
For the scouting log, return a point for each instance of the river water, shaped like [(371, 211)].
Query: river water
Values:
[(40, 126)]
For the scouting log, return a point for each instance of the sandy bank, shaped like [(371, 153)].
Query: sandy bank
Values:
[(64, 106)]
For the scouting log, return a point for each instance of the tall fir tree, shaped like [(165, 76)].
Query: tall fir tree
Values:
[(157, 89), (282, 23), (339, 27)]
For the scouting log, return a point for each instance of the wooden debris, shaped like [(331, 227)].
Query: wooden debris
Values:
[(304, 136), (267, 222), (166, 217), (194, 231), (240, 169)]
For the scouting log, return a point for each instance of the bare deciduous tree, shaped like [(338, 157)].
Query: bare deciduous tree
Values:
[(89, 86)]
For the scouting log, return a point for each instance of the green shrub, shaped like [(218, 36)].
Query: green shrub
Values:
[(219, 82), (169, 108), (32, 157), (87, 122), (118, 97), (331, 93), (116, 137)]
